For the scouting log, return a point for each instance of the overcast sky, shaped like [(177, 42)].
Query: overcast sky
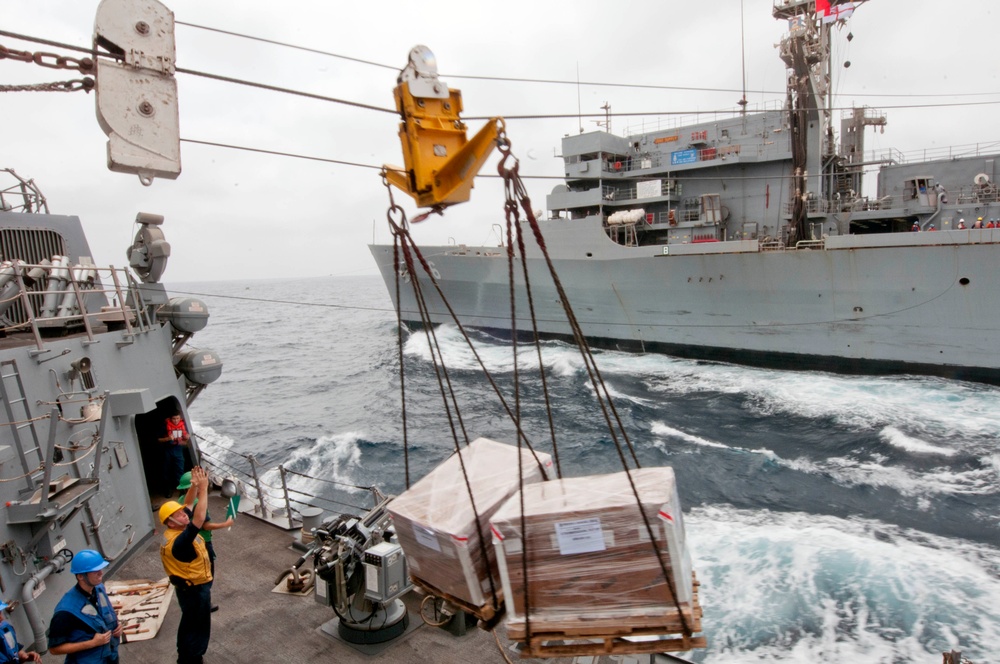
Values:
[(236, 215)]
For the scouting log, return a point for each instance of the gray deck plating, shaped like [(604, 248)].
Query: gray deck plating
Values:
[(255, 625)]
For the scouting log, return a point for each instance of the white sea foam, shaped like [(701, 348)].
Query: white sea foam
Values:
[(796, 587), (664, 431), (210, 437), (964, 413), (330, 458), (897, 438), (328, 463), (962, 416), (852, 472)]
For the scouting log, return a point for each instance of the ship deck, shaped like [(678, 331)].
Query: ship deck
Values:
[(255, 625)]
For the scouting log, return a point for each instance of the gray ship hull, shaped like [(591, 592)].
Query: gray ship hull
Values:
[(923, 303)]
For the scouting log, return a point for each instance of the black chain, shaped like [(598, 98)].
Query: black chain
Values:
[(85, 84), (49, 60)]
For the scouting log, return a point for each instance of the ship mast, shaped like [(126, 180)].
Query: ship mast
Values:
[(806, 52)]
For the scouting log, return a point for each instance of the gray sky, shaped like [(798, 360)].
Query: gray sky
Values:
[(236, 215)]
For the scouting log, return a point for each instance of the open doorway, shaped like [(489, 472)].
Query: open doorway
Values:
[(150, 427)]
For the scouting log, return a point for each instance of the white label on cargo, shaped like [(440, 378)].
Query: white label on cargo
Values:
[(427, 537), (581, 536)]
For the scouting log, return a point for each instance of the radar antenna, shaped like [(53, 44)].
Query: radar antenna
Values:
[(21, 196)]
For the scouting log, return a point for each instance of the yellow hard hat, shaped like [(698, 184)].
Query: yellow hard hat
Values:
[(168, 508), (980, 219)]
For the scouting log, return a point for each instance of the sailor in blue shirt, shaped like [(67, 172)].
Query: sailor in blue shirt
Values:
[(11, 652), (85, 627)]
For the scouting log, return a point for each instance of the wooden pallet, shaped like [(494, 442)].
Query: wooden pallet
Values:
[(486, 613), (611, 635)]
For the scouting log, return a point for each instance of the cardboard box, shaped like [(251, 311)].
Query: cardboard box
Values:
[(436, 524), (589, 555)]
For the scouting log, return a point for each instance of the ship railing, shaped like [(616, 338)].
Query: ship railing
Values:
[(278, 494), (667, 187), (987, 192), (935, 154), (63, 303), (627, 164), (848, 204), (648, 125)]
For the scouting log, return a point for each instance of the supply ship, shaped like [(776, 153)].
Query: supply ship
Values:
[(748, 239)]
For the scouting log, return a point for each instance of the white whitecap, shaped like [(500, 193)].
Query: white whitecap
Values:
[(661, 429), (798, 587), (897, 438)]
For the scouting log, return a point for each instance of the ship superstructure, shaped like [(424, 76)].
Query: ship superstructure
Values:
[(750, 239), (92, 361)]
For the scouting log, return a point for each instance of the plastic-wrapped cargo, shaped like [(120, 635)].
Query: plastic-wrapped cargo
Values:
[(590, 561), (436, 525)]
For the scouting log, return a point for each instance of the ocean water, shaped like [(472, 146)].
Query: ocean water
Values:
[(831, 518)]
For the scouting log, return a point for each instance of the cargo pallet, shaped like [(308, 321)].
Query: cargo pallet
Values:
[(607, 636)]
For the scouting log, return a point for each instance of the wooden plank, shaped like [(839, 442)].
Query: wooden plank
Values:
[(611, 626), (614, 647), (598, 630)]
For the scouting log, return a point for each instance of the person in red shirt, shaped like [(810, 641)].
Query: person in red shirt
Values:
[(175, 440)]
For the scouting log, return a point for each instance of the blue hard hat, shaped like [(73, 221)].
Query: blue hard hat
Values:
[(87, 560), (3, 605)]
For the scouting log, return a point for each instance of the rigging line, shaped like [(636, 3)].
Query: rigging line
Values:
[(409, 245), (273, 301), (341, 162), (401, 359), (563, 116), (538, 348), (506, 79), (410, 249), (49, 42), (275, 88), (472, 347), (279, 153), (515, 186), (687, 88), (310, 95), (515, 79), (287, 45)]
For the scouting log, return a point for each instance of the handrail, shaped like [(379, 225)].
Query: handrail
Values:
[(76, 292), (270, 499)]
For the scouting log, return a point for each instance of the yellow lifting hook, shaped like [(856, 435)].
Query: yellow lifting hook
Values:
[(440, 162)]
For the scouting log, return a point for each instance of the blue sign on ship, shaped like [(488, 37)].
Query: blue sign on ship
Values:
[(683, 157)]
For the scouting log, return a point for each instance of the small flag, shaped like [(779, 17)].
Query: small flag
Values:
[(831, 11), (233, 507)]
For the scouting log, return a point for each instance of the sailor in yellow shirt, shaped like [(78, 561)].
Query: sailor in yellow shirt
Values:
[(186, 561)]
